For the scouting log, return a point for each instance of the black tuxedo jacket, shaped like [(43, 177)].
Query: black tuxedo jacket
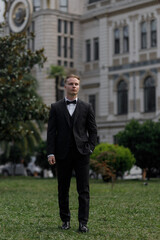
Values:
[(59, 129)]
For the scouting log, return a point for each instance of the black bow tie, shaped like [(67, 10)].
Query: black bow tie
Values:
[(71, 102)]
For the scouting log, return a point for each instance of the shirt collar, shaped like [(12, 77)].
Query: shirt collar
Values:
[(66, 99)]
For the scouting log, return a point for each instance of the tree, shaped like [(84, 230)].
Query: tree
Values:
[(19, 101), (144, 142), (58, 73), (111, 160)]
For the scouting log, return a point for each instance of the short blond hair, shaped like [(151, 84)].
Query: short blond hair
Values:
[(71, 76)]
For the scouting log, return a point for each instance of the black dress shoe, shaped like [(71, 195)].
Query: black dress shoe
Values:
[(65, 225), (83, 228)]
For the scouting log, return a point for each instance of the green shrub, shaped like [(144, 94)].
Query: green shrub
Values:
[(111, 159)]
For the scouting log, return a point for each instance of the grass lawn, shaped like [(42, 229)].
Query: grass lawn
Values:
[(29, 210)]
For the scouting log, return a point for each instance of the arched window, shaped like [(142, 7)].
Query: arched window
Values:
[(122, 97), (149, 95)]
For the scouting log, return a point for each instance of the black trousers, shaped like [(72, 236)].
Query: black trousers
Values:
[(80, 163)]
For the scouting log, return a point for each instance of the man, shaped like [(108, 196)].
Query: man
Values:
[(71, 138)]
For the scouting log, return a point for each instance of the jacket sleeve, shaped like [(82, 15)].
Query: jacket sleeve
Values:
[(91, 128), (51, 131)]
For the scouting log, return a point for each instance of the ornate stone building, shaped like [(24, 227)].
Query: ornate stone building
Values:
[(114, 45)]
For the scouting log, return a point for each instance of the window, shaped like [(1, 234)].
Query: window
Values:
[(59, 25), (153, 33), (71, 48), (88, 50), (65, 27), (71, 28), (149, 95), (59, 46), (116, 41), (65, 63), (122, 97), (36, 5), (65, 47), (71, 64), (125, 40), (143, 35), (96, 48), (59, 62), (64, 5), (92, 101)]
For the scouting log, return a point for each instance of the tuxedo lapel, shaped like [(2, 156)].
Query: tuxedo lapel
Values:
[(65, 112), (77, 110)]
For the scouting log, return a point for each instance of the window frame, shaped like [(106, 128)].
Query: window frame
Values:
[(149, 94), (88, 50), (71, 48), (144, 35), (117, 41), (59, 51), (122, 97), (125, 39), (63, 6), (59, 27), (96, 48), (153, 33)]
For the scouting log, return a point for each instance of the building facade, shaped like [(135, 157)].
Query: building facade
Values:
[(114, 45)]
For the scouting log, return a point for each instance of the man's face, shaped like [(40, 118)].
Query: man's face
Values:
[(72, 87)]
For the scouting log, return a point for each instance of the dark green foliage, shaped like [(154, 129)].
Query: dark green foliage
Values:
[(57, 71), (19, 101), (117, 159), (144, 142)]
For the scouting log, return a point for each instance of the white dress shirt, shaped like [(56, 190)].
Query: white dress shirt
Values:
[(71, 107)]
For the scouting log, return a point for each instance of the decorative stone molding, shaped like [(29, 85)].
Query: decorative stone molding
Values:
[(20, 15), (106, 2), (87, 67), (153, 55), (116, 62), (147, 74), (125, 60), (110, 23), (120, 78), (143, 57), (134, 17), (95, 65), (91, 7)]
